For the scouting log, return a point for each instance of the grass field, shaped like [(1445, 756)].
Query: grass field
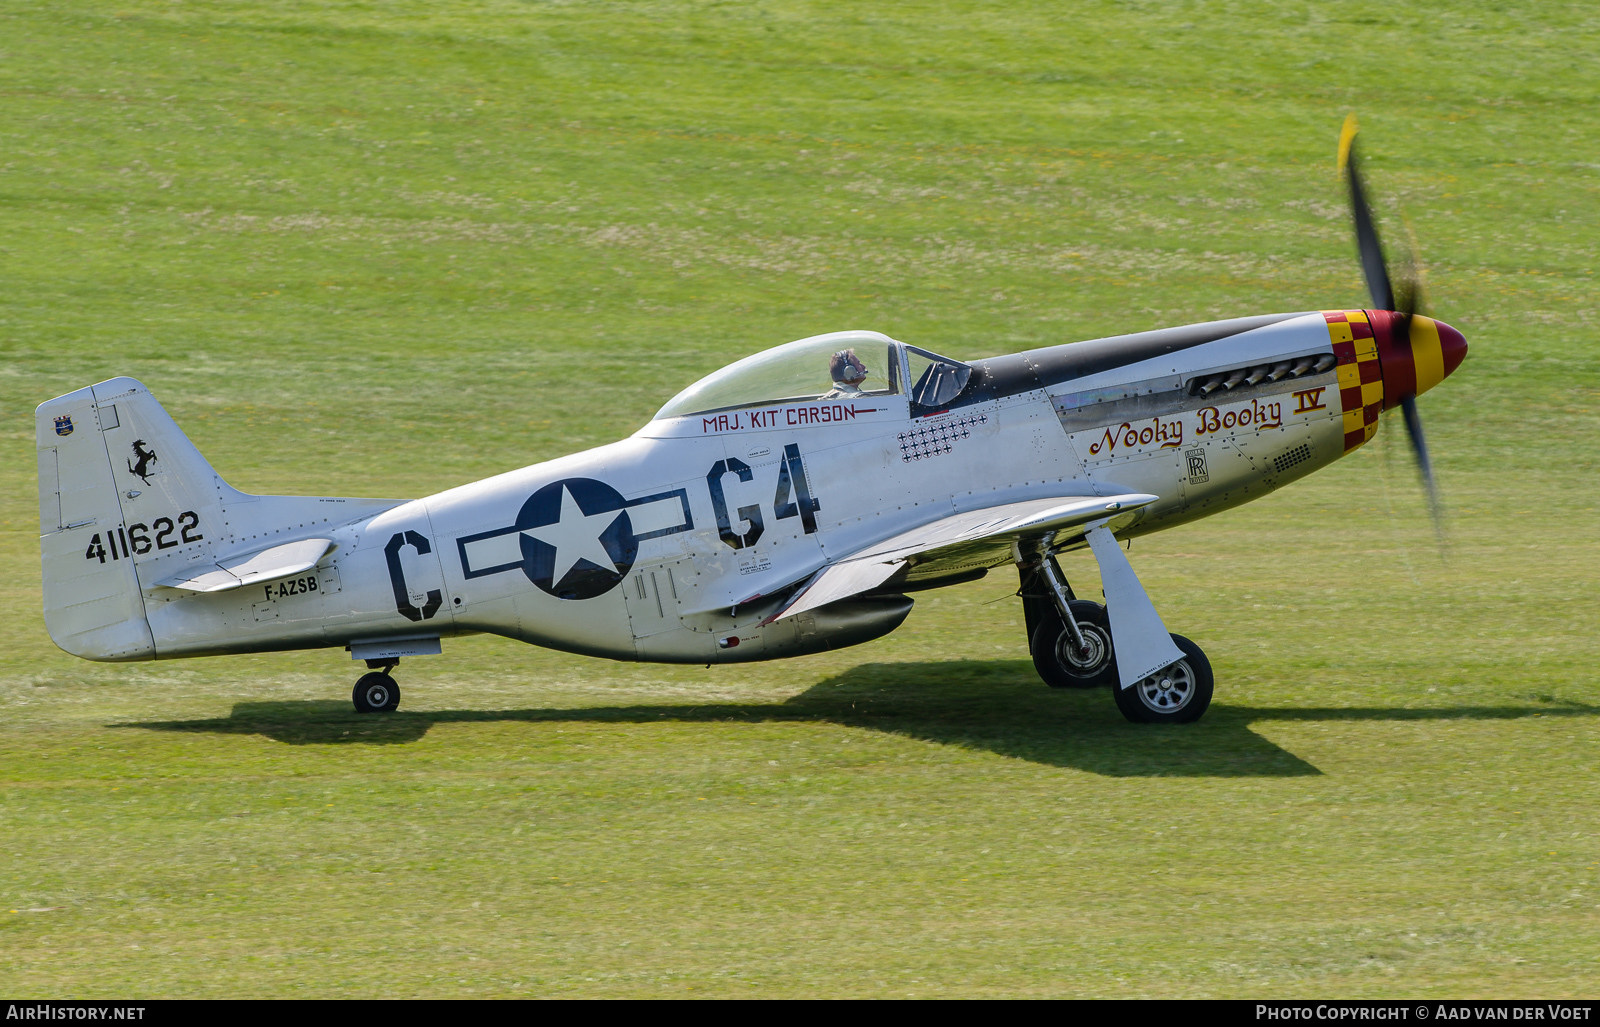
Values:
[(364, 248)]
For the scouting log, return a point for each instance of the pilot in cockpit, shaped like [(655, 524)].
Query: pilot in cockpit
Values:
[(848, 373)]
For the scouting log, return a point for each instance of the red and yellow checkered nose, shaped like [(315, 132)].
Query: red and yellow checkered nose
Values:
[(1376, 370), (1360, 373)]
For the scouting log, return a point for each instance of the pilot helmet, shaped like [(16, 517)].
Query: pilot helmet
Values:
[(845, 366)]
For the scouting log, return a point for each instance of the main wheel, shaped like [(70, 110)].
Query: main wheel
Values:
[(1060, 663), (1178, 694), (376, 693)]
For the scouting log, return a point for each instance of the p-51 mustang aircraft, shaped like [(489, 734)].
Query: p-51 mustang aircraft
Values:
[(789, 503)]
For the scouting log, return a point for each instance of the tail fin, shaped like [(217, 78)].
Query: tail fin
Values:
[(119, 483), (132, 519)]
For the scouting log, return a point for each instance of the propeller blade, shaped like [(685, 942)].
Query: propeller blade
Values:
[(1408, 291), (1373, 266), (1404, 304), (1419, 448)]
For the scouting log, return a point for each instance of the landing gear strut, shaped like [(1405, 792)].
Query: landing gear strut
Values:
[(376, 692), (1070, 638), (1072, 647)]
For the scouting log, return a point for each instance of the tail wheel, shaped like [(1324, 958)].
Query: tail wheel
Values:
[(1058, 660), (376, 693), (1178, 694)]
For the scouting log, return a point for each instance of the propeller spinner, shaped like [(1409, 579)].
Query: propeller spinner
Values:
[(1415, 352)]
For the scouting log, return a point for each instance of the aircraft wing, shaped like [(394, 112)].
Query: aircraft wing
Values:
[(976, 538)]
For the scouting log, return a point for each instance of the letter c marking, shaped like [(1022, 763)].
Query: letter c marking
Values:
[(397, 576)]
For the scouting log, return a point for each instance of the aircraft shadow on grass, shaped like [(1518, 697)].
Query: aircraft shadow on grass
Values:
[(998, 706)]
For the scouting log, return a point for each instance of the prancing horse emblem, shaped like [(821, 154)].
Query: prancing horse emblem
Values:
[(146, 458)]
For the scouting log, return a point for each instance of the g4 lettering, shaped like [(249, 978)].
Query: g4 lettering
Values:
[(792, 473), (792, 481), (719, 503)]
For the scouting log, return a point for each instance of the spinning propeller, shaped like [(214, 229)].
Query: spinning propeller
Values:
[(1402, 304)]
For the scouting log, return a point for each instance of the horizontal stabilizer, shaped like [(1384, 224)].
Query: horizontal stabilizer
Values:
[(239, 571), (1008, 522)]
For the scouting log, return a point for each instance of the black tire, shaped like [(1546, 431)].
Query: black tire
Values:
[(376, 693), (1177, 695), (1054, 656)]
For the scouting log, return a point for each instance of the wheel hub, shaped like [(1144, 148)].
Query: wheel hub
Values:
[(1168, 690), (1095, 649), (377, 696)]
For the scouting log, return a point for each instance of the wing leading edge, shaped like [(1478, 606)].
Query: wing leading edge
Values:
[(986, 528)]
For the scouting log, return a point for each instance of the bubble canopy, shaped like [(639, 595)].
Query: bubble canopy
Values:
[(793, 372)]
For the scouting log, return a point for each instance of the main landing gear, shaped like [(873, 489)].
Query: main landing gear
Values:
[(376, 692), (1071, 643)]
